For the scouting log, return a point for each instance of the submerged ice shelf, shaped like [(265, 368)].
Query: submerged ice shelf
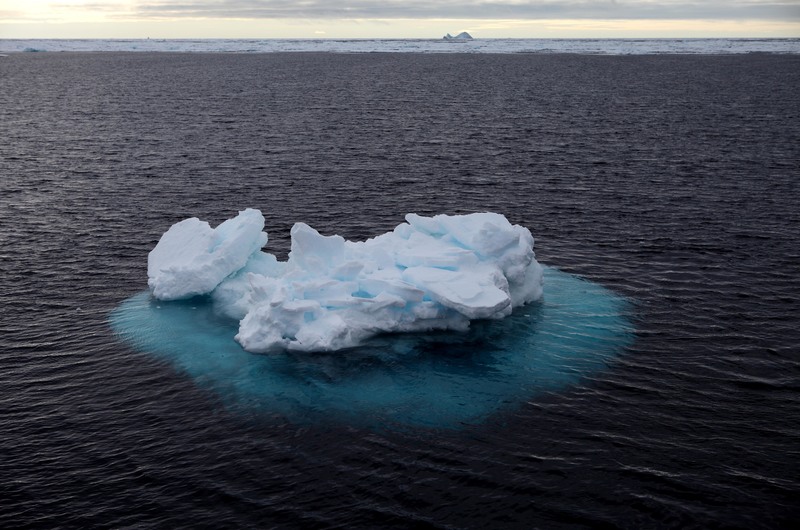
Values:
[(434, 379), (463, 266), (429, 273)]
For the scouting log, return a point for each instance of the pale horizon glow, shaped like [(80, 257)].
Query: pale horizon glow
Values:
[(395, 19)]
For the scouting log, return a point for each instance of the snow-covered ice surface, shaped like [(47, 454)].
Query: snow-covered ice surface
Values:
[(430, 273), (438, 45), (193, 259)]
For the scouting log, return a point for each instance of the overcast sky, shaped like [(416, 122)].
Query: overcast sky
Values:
[(397, 18)]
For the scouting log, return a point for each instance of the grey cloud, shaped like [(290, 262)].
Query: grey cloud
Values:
[(477, 9)]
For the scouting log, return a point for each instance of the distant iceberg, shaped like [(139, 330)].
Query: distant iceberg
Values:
[(429, 273), (461, 36)]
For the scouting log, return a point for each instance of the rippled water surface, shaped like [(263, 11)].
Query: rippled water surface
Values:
[(671, 181)]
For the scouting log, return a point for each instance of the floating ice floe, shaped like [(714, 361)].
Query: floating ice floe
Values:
[(429, 273)]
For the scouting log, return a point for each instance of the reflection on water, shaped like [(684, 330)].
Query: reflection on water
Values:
[(442, 379)]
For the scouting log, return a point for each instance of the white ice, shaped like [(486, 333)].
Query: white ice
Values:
[(192, 258), (429, 273)]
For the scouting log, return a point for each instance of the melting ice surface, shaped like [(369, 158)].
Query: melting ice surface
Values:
[(328, 320)]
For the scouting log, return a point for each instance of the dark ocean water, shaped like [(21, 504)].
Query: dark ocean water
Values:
[(671, 180)]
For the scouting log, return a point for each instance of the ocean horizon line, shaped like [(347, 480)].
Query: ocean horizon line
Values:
[(590, 46)]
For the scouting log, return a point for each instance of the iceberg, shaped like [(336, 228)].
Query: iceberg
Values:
[(460, 37), (429, 273)]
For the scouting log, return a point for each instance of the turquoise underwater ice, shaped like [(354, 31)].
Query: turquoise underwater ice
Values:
[(442, 379)]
